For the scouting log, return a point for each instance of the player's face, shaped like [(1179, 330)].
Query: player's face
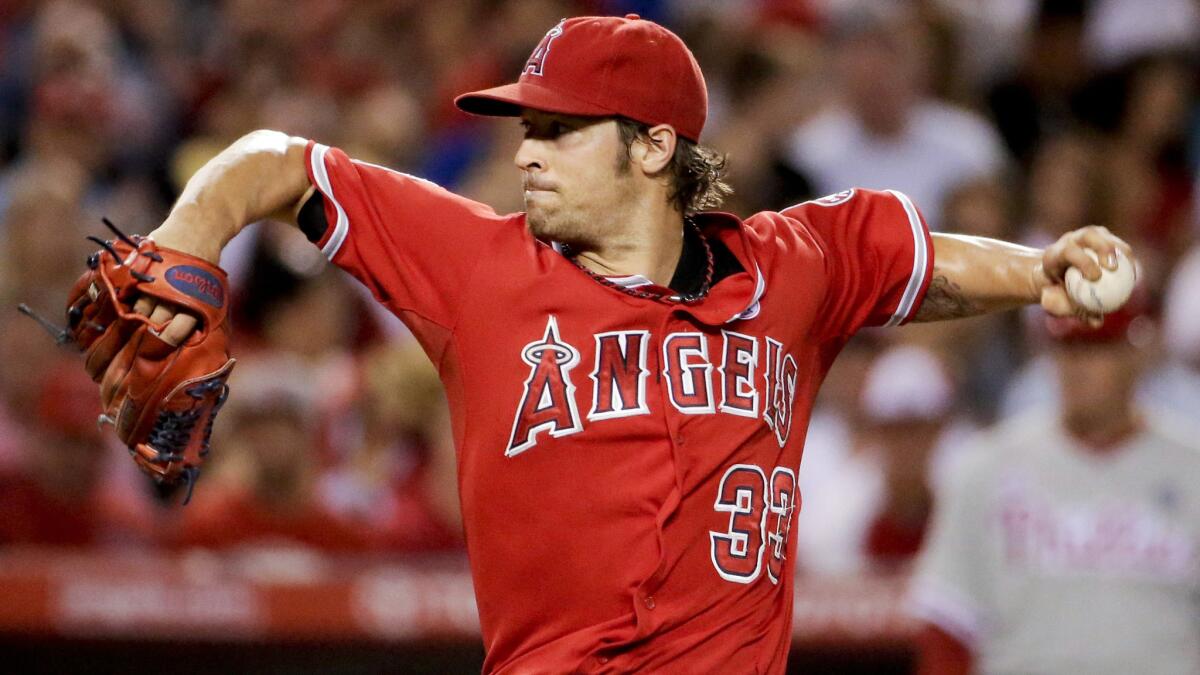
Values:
[(1097, 380), (574, 186)]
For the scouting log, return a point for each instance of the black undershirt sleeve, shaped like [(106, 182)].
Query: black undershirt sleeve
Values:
[(311, 217)]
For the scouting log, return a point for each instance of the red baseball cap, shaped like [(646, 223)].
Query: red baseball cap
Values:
[(601, 66), (1118, 326)]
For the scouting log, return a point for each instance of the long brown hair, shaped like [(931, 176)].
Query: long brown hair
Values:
[(697, 172)]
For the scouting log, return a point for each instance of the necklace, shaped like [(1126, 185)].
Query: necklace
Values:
[(685, 298)]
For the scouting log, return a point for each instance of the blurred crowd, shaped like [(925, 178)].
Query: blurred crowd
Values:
[(1017, 119)]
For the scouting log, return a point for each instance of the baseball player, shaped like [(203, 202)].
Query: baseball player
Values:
[(630, 376), (1066, 542)]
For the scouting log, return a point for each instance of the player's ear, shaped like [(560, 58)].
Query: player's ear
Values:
[(653, 151)]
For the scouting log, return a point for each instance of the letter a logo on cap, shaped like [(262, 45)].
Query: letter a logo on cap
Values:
[(538, 58)]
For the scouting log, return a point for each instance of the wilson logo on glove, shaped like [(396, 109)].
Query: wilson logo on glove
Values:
[(197, 283)]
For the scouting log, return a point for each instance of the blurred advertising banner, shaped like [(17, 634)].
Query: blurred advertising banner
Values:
[(290, 594)]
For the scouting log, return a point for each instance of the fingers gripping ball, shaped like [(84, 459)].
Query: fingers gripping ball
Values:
[(1106, 294), (161, 398)]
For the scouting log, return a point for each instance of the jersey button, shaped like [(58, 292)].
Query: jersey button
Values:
[(649, 601), (679, 440)]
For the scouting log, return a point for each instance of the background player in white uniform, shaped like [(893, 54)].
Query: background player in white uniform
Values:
[(1067, 543)]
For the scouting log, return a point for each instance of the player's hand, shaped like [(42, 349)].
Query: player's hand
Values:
[(176, 326), (1069, 251)]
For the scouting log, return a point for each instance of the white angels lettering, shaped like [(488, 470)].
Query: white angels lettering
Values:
[(703, 374)]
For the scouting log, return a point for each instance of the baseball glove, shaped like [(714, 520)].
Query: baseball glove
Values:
[(161, 398)]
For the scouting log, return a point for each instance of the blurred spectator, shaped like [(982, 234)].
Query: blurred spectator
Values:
[(1120, 30), (1175, 384), (1066, 541), (60, 493), (402, 480), (909, 402), (1063, 178), (1045, 93), (80, 96), (384, 126), (884, 131), (269, 498), (1147, 189), (41, 227), (776, 84), (1182, 308), (979, 207), (868, 509), (39, 231), (1166, 383), (74, 70), (284, 284), (832, 461), (992, 35)]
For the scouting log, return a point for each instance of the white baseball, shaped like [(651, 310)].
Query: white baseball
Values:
[(1107, 293)]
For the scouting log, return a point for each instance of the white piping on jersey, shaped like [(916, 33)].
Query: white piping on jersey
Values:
[(920, 257), (753, 308), (631, 281), (342, 227)]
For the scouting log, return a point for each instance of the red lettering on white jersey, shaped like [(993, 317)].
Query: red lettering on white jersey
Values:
[(548, 401), (619, 379), (687, 370), (1111, 538)]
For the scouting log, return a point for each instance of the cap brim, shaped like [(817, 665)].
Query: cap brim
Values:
[(508, 100)]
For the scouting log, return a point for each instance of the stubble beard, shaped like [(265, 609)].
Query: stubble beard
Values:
[(574, 227), (559, 227), (541, 224)]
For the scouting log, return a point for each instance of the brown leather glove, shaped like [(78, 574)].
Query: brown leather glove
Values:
[(161, 398)]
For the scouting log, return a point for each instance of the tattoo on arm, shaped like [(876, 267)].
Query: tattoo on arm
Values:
[(945, 300)]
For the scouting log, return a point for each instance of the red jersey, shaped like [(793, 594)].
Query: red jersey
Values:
[(627, 465)]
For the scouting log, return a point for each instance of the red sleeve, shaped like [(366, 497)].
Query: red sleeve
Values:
[(940, 653), (878, 257), (414, 244)]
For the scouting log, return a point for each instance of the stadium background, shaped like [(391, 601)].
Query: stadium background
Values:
[(324, 535)]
